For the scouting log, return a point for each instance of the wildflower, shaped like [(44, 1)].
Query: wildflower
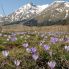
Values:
[(52, 64), (41, 44), (33, 50), (5, 53), (66, 48), (28, 50), (17, 62), (13, 38), (25, 45), (46, 47), (35, 56), (61, 39), (65, 39), (54, 40), (0, 34), (9, 36), (8, 39)]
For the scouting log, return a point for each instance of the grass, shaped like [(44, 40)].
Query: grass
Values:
[(53, 28), (18, 52)]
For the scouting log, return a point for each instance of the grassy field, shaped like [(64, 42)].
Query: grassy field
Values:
[(23, 47), (54, 28), (34, 50)]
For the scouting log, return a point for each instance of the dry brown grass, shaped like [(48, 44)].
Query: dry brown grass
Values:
[(54, 28)]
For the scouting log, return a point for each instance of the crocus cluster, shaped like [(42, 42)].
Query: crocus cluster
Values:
[(53, 40), (46, 42), (46, 47), (33, 51)]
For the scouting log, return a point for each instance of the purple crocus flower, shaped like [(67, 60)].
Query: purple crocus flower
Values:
[(54, 40), (52, 64), (33, 49), (65, 39), (46, 47), (35, 56), (25, 45), (13, 39)]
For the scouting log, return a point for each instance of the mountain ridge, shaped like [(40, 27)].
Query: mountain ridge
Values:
[(58, 11)]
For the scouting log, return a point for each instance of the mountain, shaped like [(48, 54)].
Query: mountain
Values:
[(49, 14), (26, 12), (56, 10), (56, 13)]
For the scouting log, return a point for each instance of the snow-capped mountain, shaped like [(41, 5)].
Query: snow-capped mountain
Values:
[(54, 13), (58, 10), (26, 11)]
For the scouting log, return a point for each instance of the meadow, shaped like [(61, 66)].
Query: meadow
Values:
[(20, 27), (34, 50)]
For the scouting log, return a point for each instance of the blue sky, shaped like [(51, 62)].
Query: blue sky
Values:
[(11, 5)]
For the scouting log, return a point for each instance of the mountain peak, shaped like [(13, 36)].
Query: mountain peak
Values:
[(59, 1), (30, 4)]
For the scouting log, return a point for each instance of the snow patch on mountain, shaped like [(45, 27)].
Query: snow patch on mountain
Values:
[(66, 14), (59, 9), (67, 4), (59, 1), (42, 7)]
